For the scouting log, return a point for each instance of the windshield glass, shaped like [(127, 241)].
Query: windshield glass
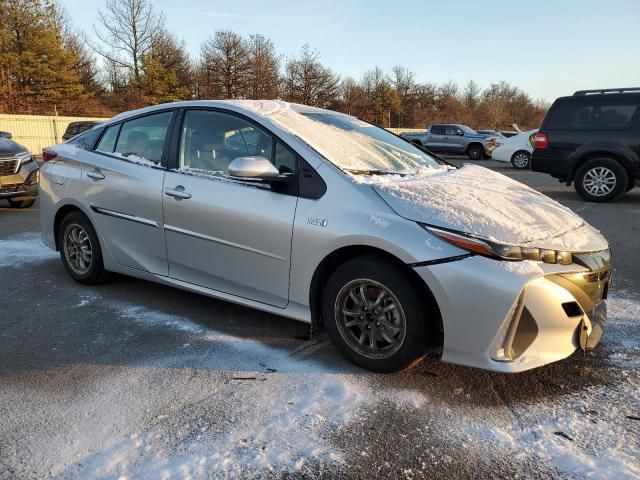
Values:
[(467, 129), (358, 147)]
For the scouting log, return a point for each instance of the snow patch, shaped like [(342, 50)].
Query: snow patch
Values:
[(17, 250)]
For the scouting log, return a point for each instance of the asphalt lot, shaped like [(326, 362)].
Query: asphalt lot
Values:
[(136, 380)]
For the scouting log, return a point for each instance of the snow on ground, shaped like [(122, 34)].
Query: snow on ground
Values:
[(23, 248), (223, 405), (246, 408), (593, 433)]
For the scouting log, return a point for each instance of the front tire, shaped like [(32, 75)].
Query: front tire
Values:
[(520, 160), (374, 316), (475, 152), (80, 250), (601, 180), (21, 203)]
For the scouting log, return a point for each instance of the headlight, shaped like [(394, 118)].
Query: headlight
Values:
[(501, 251)]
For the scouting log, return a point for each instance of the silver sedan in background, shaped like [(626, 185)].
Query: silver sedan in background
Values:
[(324, 218)]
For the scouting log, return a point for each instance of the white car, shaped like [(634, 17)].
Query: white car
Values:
[(516, 149)]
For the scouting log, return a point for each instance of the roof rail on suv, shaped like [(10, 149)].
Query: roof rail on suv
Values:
[(607, 90)]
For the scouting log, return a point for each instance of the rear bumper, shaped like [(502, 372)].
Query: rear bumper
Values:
[(554, 165), (508, 319)]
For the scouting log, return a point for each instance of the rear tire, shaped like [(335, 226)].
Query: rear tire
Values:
[(21, 203), (601, 180), (475, 152), (80, 250), (520, 160), (374, 316)]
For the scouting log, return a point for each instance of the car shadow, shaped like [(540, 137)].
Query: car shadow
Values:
[(131, 322)]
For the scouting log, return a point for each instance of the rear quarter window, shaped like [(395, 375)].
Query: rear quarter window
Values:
[(599, 114), (87, 140)]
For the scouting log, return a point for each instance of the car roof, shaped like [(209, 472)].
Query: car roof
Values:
[(598, 96), (263, 108)]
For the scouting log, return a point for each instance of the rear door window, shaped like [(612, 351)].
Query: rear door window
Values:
[(142, 139), (108, 141), (597, 114)]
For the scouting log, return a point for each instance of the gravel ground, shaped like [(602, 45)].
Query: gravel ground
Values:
[(136, 380)]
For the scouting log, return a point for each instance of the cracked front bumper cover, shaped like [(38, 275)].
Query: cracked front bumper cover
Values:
[(500, 318)]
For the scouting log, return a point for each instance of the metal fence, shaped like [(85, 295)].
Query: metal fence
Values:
[(37, 131)]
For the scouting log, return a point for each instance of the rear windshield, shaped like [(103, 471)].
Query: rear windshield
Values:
[(592, 114)]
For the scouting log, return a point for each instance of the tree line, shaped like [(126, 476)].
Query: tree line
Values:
[(132, 60)]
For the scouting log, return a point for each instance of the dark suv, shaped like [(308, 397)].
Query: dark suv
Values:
[(593, 140)]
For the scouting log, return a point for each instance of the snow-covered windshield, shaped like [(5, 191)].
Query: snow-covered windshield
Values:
[(361, 148)]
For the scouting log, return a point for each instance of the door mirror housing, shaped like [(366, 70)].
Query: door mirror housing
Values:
[(258, 169), (460, 133)]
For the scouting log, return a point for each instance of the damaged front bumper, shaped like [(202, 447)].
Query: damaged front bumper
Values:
[(512, 317)]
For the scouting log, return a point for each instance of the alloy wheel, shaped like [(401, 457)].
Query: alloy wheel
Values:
[(521, 160), (370, 318), (77, 249), (599, 181)]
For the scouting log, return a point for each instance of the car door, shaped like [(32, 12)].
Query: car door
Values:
[(122, 180), (436, 138), (229, 235), (454, 138)]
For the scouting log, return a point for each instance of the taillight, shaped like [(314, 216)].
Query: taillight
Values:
[(48, 154), (540, 141)]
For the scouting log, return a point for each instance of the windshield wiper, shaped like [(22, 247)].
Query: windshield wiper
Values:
[(371, 172)]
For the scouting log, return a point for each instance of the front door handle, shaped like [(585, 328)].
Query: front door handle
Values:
[(178, 193), (95, 174)]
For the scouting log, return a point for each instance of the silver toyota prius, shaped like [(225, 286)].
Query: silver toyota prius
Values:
[(321, 217)]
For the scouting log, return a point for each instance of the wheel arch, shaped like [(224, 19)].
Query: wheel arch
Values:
[(61, 213), (346, 253), (621, 158), (474, 144)]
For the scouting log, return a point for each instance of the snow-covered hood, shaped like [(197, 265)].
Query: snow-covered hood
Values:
[(487, 204)]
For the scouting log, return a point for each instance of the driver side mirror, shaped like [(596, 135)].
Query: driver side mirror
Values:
[(460, 133), (258, 169)]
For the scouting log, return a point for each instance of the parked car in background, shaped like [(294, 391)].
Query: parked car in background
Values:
[(321, 217), (516, 150), (491, 133), (451, 138), (592, 139), (508, 133), (76, 128), (19, 174)]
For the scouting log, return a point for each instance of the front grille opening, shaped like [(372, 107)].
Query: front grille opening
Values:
[(572, 309)]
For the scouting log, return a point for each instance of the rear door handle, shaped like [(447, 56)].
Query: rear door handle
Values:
[(95, 174), (178, 193)]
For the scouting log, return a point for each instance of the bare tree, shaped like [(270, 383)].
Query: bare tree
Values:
[(403, 81), (225, 61), (307, 81), (127, 31), (263, 74)]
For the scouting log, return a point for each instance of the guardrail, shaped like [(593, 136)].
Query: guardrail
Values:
[(36, 132)]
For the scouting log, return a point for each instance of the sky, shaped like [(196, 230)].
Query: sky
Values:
[(547, 48)]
